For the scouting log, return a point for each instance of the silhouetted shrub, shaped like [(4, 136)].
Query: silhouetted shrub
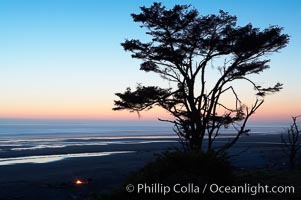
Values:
[(182, 168), (292, 143)]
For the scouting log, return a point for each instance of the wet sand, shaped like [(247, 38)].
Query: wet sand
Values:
[(54, 180)]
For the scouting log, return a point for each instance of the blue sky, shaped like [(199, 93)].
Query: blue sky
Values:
[(63, 59)]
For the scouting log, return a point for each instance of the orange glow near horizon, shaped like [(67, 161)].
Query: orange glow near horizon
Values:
[(275, 107), (84, 112), (266, 112)]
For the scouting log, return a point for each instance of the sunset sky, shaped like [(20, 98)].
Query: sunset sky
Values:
[(63, 59)]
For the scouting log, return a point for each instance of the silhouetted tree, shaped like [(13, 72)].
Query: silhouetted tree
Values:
[(291, 142), (183, 46)]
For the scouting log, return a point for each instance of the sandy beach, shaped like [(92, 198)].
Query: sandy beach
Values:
[(55, 180)]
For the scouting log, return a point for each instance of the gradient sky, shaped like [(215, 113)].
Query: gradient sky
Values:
[(63, 59)]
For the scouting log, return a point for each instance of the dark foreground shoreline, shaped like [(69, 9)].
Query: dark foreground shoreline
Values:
[(54, 180)]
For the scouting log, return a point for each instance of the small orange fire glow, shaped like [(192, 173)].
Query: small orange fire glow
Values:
[(79, 182)]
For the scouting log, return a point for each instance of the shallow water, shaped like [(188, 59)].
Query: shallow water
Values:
[(52, 158), (18, 135)]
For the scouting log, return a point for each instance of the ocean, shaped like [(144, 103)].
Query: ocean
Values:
[(36, 135)]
